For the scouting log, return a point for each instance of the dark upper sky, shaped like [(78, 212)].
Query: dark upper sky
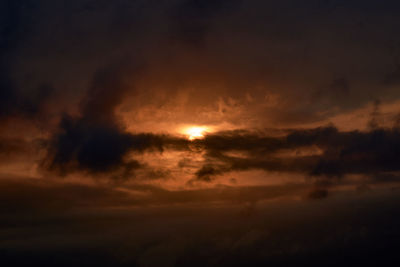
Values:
[(148, 113)]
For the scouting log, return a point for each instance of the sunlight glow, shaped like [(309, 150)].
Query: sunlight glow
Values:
[(195, 132)]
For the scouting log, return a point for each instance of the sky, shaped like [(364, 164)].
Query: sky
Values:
[(199, 132)]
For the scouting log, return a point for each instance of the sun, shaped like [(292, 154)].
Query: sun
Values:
[(195, 132)]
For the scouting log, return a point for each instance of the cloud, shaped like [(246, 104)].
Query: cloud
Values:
[(85, 144), (206, 172), (95, 141), (342, 153), (88, 146)]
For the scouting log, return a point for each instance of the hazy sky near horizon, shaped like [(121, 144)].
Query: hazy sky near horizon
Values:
[(138, 113)]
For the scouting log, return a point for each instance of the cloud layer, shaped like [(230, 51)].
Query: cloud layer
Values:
[(300, 164)]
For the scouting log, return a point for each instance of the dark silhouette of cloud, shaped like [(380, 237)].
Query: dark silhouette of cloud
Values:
[(95, 141), (354, 152)]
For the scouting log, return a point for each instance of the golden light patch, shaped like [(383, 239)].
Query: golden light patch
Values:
[(196, 132)]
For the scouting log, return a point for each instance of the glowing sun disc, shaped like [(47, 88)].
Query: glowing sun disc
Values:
[(196, 132)]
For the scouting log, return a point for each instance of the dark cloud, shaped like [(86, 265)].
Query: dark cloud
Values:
[(98, 148), (83, 145), (95, 141), (206, 172), (241, 140), (372, 152)]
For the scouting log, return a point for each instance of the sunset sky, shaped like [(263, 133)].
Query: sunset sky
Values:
[(199, 132)]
